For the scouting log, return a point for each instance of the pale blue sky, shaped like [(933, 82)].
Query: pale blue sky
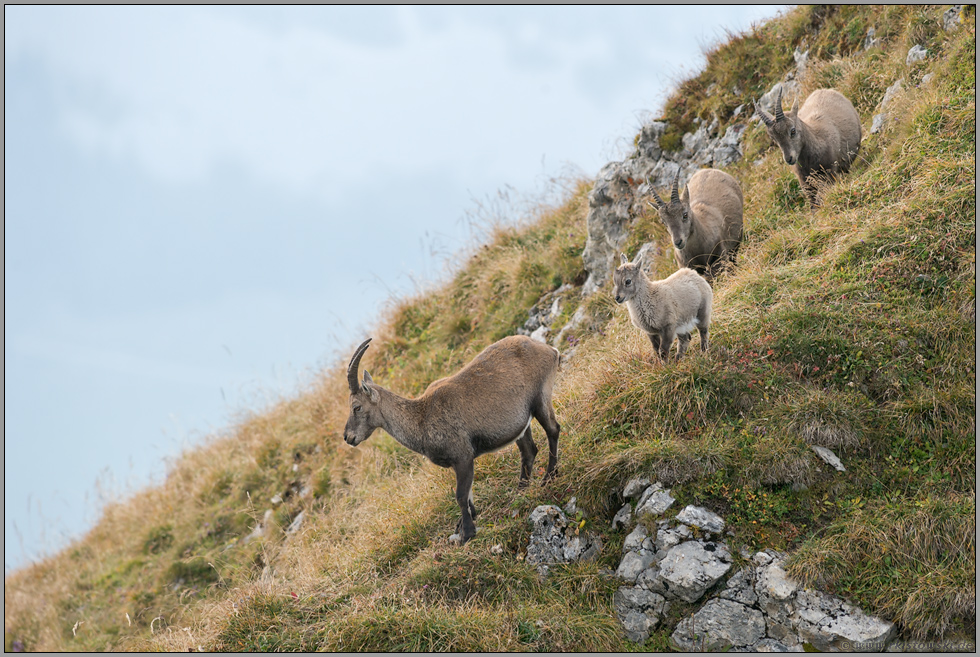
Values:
[(205, 205)]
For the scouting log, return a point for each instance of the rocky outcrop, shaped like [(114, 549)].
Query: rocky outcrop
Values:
[(760, 608), (621, 187)]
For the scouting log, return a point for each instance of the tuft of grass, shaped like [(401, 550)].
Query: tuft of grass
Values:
[(912, 559)]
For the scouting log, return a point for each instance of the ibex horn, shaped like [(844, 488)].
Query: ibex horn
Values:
[(779, 105), (660, 201), (355, 362), (674, 196), (767, 119)]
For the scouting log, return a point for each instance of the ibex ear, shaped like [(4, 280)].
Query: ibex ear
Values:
[(623, 259), (796, 105), (372, 391), (686, 196)]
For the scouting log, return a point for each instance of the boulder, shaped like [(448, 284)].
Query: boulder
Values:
[(691, 568), (719, 625), (639, 611)]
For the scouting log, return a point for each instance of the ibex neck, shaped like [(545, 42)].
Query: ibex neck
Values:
[(402, 420)]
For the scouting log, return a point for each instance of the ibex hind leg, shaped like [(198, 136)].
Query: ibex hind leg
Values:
[(544, 413), (528, 452), (466, 528), (682, 341)]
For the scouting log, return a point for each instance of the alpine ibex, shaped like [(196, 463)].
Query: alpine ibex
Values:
[(484, 407), (705, 222), (664, 309), (820, 140)]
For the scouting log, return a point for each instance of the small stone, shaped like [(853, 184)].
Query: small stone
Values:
[(540, 334), (828, 457), (276, 500), (702, 519), (635, 539), (571, 508), (635, 486), (622, 516), (869, 39), (916, 54), (497, 549), (633, 564), (654, 501), (296, 523), (952, 17)]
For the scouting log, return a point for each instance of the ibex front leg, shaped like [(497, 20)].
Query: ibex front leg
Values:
[(466, 528)]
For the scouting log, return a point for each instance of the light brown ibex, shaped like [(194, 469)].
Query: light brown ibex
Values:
[(705, 222), (484, 407), (819, 140)]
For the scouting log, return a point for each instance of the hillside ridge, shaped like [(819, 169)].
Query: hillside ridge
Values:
[(850, 327)]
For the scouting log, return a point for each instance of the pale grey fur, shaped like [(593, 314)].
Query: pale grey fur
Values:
[(819, 140), (705, 221), (665, 309)]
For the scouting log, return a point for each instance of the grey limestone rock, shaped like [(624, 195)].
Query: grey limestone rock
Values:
[(622, 516), (916, 54), (741, 587), (719, 625), (655, 500), (635, 486), (952, 17), (691, 568), (633, 564), (553, 540), (828, 457), (702, 519), (639, 611)]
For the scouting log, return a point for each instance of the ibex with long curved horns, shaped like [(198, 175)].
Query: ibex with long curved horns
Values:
[(705, 222), (819, 140), (484, 407)]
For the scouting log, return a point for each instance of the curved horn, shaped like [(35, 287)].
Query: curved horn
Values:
[(355, 362), (674, 196), (779, 105), (660, 201), (766, 118)]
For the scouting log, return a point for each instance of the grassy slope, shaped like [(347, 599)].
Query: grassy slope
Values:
[(852, 327)]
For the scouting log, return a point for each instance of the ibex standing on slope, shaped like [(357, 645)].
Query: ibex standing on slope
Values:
[(819, 140), (484, 407), (705, 222)]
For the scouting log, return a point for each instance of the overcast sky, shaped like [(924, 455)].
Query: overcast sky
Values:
[(205, 205)]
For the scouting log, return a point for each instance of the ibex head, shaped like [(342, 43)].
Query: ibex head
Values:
[(676, 215), (365, 414), (626, 278), (783, 128)]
